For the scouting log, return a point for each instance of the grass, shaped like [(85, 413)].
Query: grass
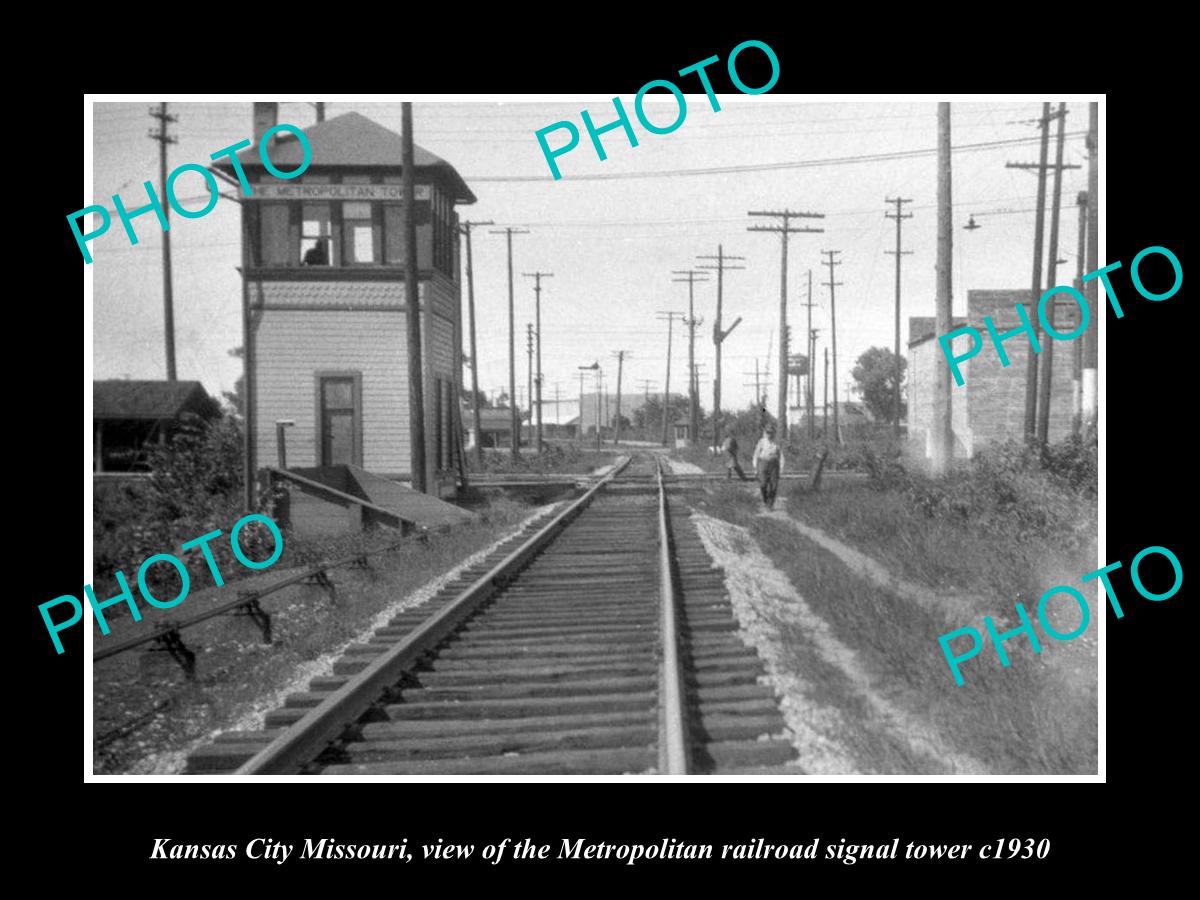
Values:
[(947, 554), (1037, 716), (143, 705)]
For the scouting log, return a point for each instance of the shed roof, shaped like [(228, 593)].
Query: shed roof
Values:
[(351, 140), (922, 328), (491, 418), (155, 400)]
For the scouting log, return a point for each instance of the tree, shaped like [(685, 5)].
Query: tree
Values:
[(875, 375), (648, 417), (236, 399), (466, 397)]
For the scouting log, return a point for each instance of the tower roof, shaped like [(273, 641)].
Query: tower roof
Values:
[(353, 141)]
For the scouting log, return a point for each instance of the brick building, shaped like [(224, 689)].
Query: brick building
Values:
[(324, 295), (989, 407)]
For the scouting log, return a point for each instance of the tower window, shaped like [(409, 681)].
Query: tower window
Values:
[(317, 247)]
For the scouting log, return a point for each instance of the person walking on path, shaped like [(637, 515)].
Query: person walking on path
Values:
[(768, 462), (730, 448)]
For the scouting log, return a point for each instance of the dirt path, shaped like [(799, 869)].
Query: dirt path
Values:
[(834, 731), (861, 564)]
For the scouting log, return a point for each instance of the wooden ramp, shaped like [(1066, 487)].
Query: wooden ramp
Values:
[(411, 506)]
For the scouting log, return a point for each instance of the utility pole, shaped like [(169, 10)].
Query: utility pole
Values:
[(1043, 421), (581, 405), (831, 284), (604, 388), (812, 363), (1081, 201), (825, 384), (512, 345), (1035, 291), (416, 386), (537, 293), (670, 318), (646, 385), (899, 216), (693, 275), (1091, 335), (529, 382), (784, 230), (760, 393), (620, 355), (163, 138), (557, 414), (812, 381), (465, 228), (943, 434), (719, 335)]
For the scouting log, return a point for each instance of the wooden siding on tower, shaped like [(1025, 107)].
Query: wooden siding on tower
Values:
[(293, 345)]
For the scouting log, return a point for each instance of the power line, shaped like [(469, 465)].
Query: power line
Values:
[(763, 167)]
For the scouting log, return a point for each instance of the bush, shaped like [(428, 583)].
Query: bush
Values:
[(1012, 488), (195, 488)]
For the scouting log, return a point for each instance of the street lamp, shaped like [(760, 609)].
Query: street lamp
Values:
[(594, 367)]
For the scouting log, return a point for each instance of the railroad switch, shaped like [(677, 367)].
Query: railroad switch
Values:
[(321, 578), (258, 616), (170, 641)]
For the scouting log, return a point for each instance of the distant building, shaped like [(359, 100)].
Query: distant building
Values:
[(853, 420), (494, 422), (324, 290), (601, 407), (128, 417), (989, 407)]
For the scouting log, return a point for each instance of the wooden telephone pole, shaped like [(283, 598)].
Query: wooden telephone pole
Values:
[(1081, 200), (783, 230), (719, 335), (514, 421), (163, 138), (899, 216), (1043, 421), (620, 355), (1035, 290), (1091, 335), (537, 292), (465, 228), (693, 275), (831, 284), (670, 318), (529, 382), (943, 434), (416, 386), (812, 363)]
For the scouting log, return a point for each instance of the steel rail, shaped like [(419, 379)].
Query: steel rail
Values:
[(302, 741), (672, 743)]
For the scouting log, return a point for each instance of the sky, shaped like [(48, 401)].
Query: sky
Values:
[(613, 237)]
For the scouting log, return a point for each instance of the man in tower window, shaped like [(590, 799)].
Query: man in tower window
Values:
[(317, 255)]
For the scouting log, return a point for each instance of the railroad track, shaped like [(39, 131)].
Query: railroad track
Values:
[(602, 643)]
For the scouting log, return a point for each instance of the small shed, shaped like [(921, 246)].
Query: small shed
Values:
[(682, 434), (495, 425), (128, 416)]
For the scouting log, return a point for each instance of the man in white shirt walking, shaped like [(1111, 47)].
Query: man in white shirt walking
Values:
[(768, 463)]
